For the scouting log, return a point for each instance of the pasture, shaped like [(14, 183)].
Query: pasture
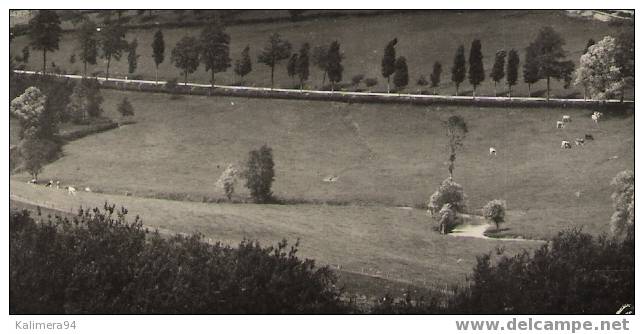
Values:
[(424, 37), (380, 156)]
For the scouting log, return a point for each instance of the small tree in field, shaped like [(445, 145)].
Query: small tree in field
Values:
[(214, 44), (435, 77), (447, 201), (243, 66), (260, 174), (44, 33), (302, 66), (477, 72), (531, 67), (458, 69), (275, 50), (228, 180), (494, 211), (456, 131), (88, 44), (185, 56), (125, 108), (291, 66), (388, 65), (320, 58), (158, 53), (132, 56), (401, 76), (512, 70), (498, 68), (113, 43), (335, 67)]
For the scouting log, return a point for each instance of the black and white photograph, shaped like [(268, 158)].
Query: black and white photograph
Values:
[(464, 163)]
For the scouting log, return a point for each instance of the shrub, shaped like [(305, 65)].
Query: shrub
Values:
[(575, 273), (449, 192), (494, 211), (100, 263), (260, 174), (125, 108), (227, 180)]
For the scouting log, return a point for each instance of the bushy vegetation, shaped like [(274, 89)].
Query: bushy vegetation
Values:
[(260, 174), (99, 263)]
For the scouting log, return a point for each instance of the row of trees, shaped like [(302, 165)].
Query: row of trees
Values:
[(603, 73)]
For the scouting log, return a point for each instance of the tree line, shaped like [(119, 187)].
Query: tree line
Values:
[(544, 58)]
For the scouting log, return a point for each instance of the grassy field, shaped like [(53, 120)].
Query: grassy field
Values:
[(392, 155), (389, 242), (424, 37)]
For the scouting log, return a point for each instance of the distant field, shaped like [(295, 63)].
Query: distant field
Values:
[(382, 154), (424, 37)]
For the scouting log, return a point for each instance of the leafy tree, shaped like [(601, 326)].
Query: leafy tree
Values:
[(85, 101), (498, 69), (458, 69), (590, 43), (132, 57), (125, 108), (260, 174), (622, 222), (335, 68), (28, 108), (215, 50), (243, 66), (320, 58), (25, 54), (401, 75), (531, 67), (494, 211), (512, 70), (477, 72), (88, 44), (113, 43), (158, 52), (185, 56), (291, 66), (275, 50), (227, 180), (550, 57), (456, 131), (449, 192), (32, 151), (303, 64), (598, 71), (389, 61), (421, 82), (44, 33), (435, 77)]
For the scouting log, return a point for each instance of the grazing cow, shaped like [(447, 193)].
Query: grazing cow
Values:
[(560, 125), (596, 116), (566, 119), (57, 184), (492, 151), (71, 191), (589, 137), (579, 141), (87, 189), (50, 184), (565, 144), (32, 181)]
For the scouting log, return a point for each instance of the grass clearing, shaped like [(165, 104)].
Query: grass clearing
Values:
[(424, 37)]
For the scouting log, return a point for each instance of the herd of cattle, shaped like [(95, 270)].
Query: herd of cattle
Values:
[(51, 184), (566, 144)]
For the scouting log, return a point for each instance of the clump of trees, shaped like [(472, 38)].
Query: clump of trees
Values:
[(85, 101), (260, 174), (101, 263)]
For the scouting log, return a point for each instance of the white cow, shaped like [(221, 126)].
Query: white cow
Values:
[(57, 184), (32, 181), (596, 116), (492, 151), (579, 141), (71, 191), (50, 184), (87, 189), (566, 118), (565, 144), (560, 125)]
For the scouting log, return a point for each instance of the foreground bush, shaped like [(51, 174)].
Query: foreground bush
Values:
[(98, 263)]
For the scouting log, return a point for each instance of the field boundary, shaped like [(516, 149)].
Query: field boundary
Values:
[(191, 88)]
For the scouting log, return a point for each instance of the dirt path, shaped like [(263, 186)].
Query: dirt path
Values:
[(476, 228)]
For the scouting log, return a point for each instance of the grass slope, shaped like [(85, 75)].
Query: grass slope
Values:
[(424, 37), (381, 154)]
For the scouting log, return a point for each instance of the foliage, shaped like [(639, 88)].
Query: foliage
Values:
[(476, 70), (458, 69), (85, 101), (456, 131), (132, 57), (531, 67), (622, 221), (599, 72), (45, 32), (260, 174), (550, 57), (449, 192), (228, 180), (494, 211), (244, 66), (568, 275), (512, 70), (302, 66), (320, 57), (100, 263), (28, 108), (625, 56), (412, 303), (275, 50), (185, 56), (113, 43), (497, 70), (158, 52), (388, 65), (125, 108), (87, 44), (291, 66), (335, 67), (435, 77), (35, 152), (401, 75), (447, 219), (215, 49)]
